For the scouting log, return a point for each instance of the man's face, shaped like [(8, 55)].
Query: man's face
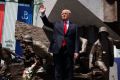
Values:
[(65, 14)]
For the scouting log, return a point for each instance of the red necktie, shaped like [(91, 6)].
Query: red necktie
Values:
[(65, 31), (65, 27)]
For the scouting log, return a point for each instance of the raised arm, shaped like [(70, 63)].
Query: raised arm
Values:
[(44, 18)]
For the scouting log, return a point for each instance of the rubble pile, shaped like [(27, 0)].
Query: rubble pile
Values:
[(37, 33)]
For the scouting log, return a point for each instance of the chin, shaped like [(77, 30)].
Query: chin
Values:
[(63, 18)]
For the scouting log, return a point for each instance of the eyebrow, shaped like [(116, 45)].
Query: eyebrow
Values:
[(64, 12)]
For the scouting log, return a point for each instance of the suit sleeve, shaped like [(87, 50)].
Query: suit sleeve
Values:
[(47, 22), (76, 40)]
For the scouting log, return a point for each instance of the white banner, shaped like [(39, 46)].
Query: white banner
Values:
[(8, 39)]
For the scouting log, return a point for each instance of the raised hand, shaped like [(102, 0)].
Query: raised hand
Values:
[(42, 9)]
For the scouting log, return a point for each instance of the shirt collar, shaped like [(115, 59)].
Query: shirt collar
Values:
[(67, 21)]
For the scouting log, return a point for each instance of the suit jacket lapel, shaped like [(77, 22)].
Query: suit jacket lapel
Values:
[(62, 27)]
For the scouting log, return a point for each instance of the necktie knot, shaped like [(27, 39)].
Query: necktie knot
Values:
[(65, 22)]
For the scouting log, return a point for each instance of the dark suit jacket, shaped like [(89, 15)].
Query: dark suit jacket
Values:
[(58, 36)]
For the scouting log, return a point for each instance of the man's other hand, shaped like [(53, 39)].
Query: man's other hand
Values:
[(76, 56)]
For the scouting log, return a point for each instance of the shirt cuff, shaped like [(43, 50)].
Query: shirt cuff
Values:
[(42, 14)]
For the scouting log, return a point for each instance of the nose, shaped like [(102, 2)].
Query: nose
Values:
[(63, 15)]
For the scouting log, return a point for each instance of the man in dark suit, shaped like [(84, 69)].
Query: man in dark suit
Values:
[(64, 44)]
